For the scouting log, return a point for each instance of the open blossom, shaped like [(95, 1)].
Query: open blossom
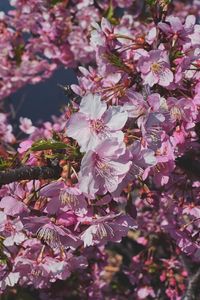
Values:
[(137, 125), (6, 134), (174, 28), (26, 125), (103, 168), (14, 233), (141, 161), (94, 122), (146, 291), (10, 280), (136, 105), (155, 68), (63, 199), (108, 228)]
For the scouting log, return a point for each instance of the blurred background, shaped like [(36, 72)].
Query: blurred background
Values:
[(40, 101)]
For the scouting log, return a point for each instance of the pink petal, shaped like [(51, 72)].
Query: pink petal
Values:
[(115, 118), (12, 206), (166, 78)]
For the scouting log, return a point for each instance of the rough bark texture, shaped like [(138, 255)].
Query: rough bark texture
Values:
[(193, 286), (29, 173)]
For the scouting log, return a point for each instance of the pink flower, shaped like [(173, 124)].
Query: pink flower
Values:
[(24, 146), (64, 198), (176, 31), (6, 134), (73, 200), (103, 168), (94, 122), (55, 236), (145, 291), (141, 162), (26, 125), (10, 280), (12, 206), (13, 231), (155, 68), (108, 228), (136, 105)]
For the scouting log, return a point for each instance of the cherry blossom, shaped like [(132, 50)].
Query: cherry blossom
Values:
[(94, 122), (154, 68), (102, 201)]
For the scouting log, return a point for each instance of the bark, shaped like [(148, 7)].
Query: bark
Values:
[(193, 285), (29, 173)]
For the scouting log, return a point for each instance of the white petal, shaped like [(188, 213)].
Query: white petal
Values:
[(115, 118), (92, 106)]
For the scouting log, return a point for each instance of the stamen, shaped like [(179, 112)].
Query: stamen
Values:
[(103, 169), (97, 126), (68, 199), (156, 68), (104, 230), (49, 236), (176, 113)]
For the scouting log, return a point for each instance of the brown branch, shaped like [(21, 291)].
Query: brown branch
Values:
[(29, 173)]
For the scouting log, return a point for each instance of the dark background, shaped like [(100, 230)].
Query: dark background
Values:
[(44, 99), (40, 101)]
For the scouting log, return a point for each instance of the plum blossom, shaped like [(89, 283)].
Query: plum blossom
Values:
[(95, 123), (155, 68), (136, 105)]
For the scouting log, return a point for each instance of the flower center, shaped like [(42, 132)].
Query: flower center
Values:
[(68, 199), (176, 113), (104, 230), (103, 169), (97, 126), (49, 236), (156, 68), (9, 227)]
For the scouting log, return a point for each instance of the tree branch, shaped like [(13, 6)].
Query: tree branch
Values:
[(192, 291), (193, 286), (29, 173)]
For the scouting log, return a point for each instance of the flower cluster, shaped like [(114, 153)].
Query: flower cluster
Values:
[(123, 218), (38, 37)]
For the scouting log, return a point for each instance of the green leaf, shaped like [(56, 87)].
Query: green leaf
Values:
[(109, 13), (4, 163), (151, 2), (54, 2), (18, 51), (116, 61), (48, 145)]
